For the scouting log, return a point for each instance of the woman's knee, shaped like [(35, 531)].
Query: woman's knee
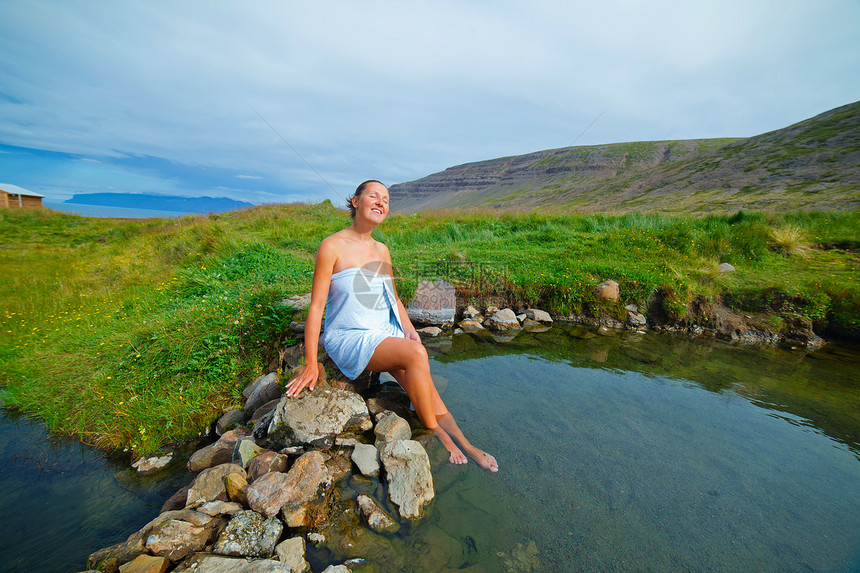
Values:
[(418, 355)]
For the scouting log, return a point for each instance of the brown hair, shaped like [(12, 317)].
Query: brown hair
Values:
[(358, 191)]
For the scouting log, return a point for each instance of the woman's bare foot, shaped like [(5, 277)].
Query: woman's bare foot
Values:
[(483, 459), (456, 456)]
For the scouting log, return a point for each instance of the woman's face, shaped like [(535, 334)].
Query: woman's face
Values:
[(372, 204)]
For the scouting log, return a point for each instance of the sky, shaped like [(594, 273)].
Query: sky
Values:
[(272, 102)]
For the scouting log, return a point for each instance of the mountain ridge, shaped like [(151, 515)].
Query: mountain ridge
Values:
[(812, 164), (200, 205)]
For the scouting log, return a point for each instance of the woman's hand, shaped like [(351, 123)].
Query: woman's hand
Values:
[(412, 335), (307, 377)]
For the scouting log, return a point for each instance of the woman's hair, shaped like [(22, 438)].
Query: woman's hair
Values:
[(358, 191)]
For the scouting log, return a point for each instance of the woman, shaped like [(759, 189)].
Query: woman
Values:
[(367, 327)]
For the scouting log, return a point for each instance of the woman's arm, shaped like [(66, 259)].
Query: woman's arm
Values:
[(325, 260)]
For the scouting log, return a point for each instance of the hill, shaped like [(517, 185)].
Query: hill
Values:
[(200, 205), (814, 164)]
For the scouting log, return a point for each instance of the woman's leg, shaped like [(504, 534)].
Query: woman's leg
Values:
[(407, 361)]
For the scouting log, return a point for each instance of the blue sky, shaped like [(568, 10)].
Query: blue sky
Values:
[(166, 97)]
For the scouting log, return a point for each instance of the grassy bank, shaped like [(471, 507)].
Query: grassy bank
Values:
[(130, 333)]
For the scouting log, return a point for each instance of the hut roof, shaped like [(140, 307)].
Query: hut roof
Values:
[(15, 190)]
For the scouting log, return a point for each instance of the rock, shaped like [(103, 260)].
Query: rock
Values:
[(245, 451), (410, 483), (374, 516), (249, 534), (146, 564), (315, 418), (636, 319), (396, 401), (491, 310), (267, 461), (216, 508), (366, 457), (472, 312), (176, 539), (207, 563), (725, 268), (521, 317), (530, 325), (297, 301), (177, 500), (504, 319), (298, 327), (209, 485), (221, 452), (146, 466), (471, 325), (292, 552), (607, 290), (538, 315), (261, 390), (237, 488), (229, 420), (434, 304), (260, 412), (430, 331), (316, 538), (294, 492), (338, 465), (389, 427), (336, 569), (603, 330)]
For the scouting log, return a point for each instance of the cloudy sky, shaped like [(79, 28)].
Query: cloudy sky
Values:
[(178, 97)]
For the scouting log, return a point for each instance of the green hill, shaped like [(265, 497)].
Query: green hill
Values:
[(811, 165)]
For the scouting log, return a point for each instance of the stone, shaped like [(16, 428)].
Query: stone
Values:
[(530, 325), (607, 290), (491, 310), (291, 552), (249, 534), (245, 451), (366, 457), (504, 319), (374, 516), (177, 500), (216, 508), (176, 539), (267, 461), (298, 327), (229, 420), (292, 492), (390, 426), (209, 485), (636, 319), (471, 325), (338, 465), (146, 466), (336, 569), (261, 390), (221, 452), (430, 331), (297, 301), (410, 483), (538, 315), (146, 564), (472, 312), (316, 538), (434, 304), (260, 412), (236, 486), (208, 563), (521, 317), (726, 268), (315, 418)]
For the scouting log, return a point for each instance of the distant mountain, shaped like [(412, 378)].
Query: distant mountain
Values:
[(160, 202), (814, 164)]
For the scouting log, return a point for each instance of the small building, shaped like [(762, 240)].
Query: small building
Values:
[(14, 197)]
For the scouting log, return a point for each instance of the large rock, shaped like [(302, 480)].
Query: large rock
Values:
[(146, 564), (249, 534), (245, 451), (410, 483), (221, 452), (297, 493), (146, 466), (260, 391), (504, 319), (206, 563), (236, 486), (390, 427), (177, 539), (538, 315), (434, 304), (229, 420), (374, 516), (209, 485), (366, 457), (315, 418), (607, 290), (267, 461), (291, 552), (471, 325)]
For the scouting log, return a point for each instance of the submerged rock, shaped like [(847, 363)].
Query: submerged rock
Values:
[(146, 466), (374, 516), (315, 418), (249, 534), (410, 483)]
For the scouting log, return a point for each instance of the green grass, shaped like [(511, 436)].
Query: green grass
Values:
[(130, 334)]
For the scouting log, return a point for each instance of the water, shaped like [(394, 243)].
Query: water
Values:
[(104, 211), (645, 453)]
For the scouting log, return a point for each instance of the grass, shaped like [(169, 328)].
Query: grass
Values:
[(130, 334)]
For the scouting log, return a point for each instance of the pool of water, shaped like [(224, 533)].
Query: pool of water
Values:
[(617, 453)]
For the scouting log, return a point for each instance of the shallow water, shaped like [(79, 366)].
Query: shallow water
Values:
[(617, 453)]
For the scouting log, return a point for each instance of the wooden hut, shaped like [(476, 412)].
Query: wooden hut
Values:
[(14, 197)]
